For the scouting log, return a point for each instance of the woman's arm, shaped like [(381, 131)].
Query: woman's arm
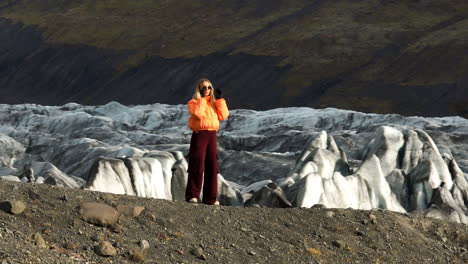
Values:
[(221, 109), (197, 107)]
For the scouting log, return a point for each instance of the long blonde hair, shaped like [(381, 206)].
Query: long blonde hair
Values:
[(197, 94)]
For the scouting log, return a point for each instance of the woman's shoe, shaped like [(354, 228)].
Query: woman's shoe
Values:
[(193, 200)]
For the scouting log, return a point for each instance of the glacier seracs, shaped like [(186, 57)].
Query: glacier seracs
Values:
[(281, 157)]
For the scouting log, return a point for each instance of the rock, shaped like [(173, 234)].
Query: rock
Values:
[(365, 221), (116, 228), (330, 214), (33, 195), (106, 249), (39, 240), (372, 217), (132, 211), (15, 207), (64, 197), (373, 221), (338, 243), (144, 244), (203, 257), (99, 214), (360, 233), (197, 252), (138, 254), (71, 245), (98, 237), (116, 244), (318, 206)]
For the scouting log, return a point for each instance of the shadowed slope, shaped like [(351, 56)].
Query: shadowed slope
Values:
[(406, 57)]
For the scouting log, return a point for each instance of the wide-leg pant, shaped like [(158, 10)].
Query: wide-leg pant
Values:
[(203, 159)]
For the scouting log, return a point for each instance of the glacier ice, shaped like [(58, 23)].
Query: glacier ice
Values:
[(281, 157)]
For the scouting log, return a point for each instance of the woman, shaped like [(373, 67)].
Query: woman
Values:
[(205, 113)]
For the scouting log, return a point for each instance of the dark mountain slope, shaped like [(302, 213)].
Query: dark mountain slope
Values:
[(408, 57)]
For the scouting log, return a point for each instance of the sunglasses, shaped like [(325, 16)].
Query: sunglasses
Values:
[(206, 87)]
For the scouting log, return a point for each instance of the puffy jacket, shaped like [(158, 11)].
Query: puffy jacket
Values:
[(203, 116)]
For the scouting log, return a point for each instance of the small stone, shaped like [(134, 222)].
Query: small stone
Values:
[(197, 252), (373, 221), (99, 214), (98, 237), (153, 217), (360, 233), (33, 195), (203, 257), (318, 206), (39, 240), (444, 239), (116, 244), (338, 243), (106, 249), (116, 228), (132, 211), (372, 217), (365, 221), (4, 262), (252, 253), (330, 214), (144, 244), (71, 245), (138, 254), (15, 207), (64, 197)]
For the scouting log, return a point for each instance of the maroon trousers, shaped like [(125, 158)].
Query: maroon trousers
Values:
[(203, 158)]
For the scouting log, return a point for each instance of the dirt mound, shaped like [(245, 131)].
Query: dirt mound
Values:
[(52, 229)]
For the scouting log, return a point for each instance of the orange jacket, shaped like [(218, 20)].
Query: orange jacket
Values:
[(203, 116)]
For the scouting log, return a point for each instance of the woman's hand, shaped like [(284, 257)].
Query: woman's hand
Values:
[(218, 94)]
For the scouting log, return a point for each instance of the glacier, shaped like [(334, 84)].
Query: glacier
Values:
[(285, 157)]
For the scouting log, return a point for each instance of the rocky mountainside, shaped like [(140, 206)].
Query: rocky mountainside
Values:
[(52, 224), (406, 57)]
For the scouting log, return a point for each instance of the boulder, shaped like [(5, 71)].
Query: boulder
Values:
[(99, 214), (15, 207)]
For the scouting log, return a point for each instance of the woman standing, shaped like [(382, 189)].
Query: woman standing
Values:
[(206, 109)]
